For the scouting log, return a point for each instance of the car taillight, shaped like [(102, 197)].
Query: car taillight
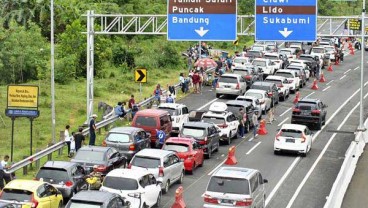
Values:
[(248, 77), (280, 85), (69, 183), (203, 142), (129, 165), (316, 112), (296, 110), (270, 94), (209, 199), (303, 139), (278, 135), (131, 147), (291, 81), (223, 125), (104, 143), (237, 86), (245, 202), (100, 168), (161, 172), (217, 85), (1, 193), (34, 202)]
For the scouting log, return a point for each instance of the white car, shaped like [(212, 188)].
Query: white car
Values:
[(226, 121), (262, 96), (321, 52), (231, 84), (301, 64), (179, 115), (255, 102), (292, 78), (276, 58), (128, 183), (289, 52), (240, 62), (282, 84), (293, 138), (268, 67), (331, 51)]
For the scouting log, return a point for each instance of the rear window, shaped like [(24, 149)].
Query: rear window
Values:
[(57, 175), (176, 147), (228, 79), (253, 53), (228, 185), (284, 74), (120, 183), (213, 120), (193, 132), (118, 138), (306, 106), (256, 95), (260, 87), (145, 121), (318, 50), (274, 81), (146, 162), (271, 57), (172, 111), (239, 61), (291, 133), (84, 204), (89, 155), (259, 63), (241, 71), (16, 195)]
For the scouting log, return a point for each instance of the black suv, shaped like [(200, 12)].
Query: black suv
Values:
[(309, 111), (206, 134), (234, 106), (270, 88)]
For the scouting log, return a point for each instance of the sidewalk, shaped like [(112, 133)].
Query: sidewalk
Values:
[(356, 195)]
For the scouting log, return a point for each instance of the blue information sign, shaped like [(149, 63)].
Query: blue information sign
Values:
[(286, 20), (199, 20), (22, 113)]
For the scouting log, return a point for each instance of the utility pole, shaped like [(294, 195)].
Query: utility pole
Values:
[(53, 120)]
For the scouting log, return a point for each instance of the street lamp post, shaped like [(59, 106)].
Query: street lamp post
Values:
[(52, 73)]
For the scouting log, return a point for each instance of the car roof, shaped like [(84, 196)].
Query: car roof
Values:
[(155, 153), (125, 129), (319, 47), (234, 172), (59, 164), (172, 105), (275, 77), (271, 54), (285, 71), (93, 196), (197, 124), (238, 102), (260, 59), (151, 112), (22, 184), (263, 83), (294, 126), (128, 173), (256, 91), (309, 100), (94, 148), (231, 75), (181, 140)]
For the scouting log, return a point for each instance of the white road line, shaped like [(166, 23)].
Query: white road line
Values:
[(274, 190), (207, 104), (342, 77), (255, 146), (282, 122), (366, 83), (329, 82), (365, 96), (251, 139), (326, 88), (318, 159), (285, 112), (356, 68), (309, 94), (347, 71)]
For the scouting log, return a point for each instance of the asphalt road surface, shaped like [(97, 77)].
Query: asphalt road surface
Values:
[(293, 181)]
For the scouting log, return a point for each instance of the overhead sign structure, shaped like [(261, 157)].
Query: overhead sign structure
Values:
[(140, 75), (200, 20), (286, 20)]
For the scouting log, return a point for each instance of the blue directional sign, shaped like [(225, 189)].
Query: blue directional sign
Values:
[(22, 113), (200, 20), (286, 20)]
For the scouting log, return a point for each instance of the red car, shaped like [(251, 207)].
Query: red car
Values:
[(187, 149)]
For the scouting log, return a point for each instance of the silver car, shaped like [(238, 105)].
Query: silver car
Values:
[(235, 186), (161, 163), (231, 84)]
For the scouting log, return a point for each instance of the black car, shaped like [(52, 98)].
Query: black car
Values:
[(98, 199), (100, 159), (249, 73), (206, 134), (309, 111), (67, 177), (313, 61), (271, 90), (234, 106)]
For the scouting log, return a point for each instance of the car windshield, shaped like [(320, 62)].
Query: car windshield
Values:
[(228, 185), (176, 147), (253, 53), (145, 121), (273, 81), (241, 71), (259, 63), (57, 175), (214, 120), (225, 79), (89, 155), (172, 111), (284, 74), (120, 183), (193, 132), (271, 57), (146, 162), (330, 49), (253, 94), (117, 137), (286, 52), (306, 106), (240, 60), (318, 50), (84, 204), (308, 58), (16, 195), (291, 133)]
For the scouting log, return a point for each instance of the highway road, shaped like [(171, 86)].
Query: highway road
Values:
[(293, 181)]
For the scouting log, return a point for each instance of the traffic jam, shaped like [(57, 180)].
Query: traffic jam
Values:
[(203, 136)]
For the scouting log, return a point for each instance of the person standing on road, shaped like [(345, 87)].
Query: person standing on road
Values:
[(241, 122), (92, 130), (131, 101), (5, 165), (160, 138), (79, 139), (67, 138), (255, 123), (271, 114), (196, 80)]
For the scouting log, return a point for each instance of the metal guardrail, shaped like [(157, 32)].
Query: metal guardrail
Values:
[(61, 144)]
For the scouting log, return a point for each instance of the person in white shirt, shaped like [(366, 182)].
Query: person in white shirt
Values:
[(4, 164), (67, 138)]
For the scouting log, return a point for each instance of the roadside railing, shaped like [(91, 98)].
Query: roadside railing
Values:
[(58, 146)]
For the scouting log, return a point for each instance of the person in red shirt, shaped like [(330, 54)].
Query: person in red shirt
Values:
[(131, 101), (196, 79)]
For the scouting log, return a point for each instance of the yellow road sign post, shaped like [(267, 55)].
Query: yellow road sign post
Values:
[(140, 75)]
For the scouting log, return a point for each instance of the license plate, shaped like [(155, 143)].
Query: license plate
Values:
[(227, 86), (305, 112), (227, 201), (290, 140)]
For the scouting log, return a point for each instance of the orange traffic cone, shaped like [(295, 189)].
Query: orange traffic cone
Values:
[(315, 86), (351, 51), (262, 128), (231, 159), (322, 79), (297, 96), (330, 68), (179, 201), (337, 62)]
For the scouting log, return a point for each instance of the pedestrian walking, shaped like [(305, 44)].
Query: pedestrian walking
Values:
[(255, 123), (160, 138), (92, 130), (271, 114), (182, 82), (135, 109), (72, 145), (196, 79), (157, 93), (241, 122), (79, 139), (67, 138)]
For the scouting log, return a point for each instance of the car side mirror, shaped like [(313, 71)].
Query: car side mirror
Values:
[(265, 181)]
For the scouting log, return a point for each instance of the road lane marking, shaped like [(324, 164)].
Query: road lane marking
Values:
[(347, 71), (207, 104), (356, 68), (365, 96), (251, 139), (283, 121), (255, 146), (309, 94), (329, 82), (366, 83), (326, 88), (318, 159), (314, 138), (285, 112), (342, 77)]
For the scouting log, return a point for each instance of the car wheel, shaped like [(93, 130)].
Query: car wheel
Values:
[(218, 95), (319, 125), (304, 154), (276, 152), (158, 201), (193, 167), (145, 205), (229, 139), (167, 186), (284, 97), (201, 164), (180, 181)]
